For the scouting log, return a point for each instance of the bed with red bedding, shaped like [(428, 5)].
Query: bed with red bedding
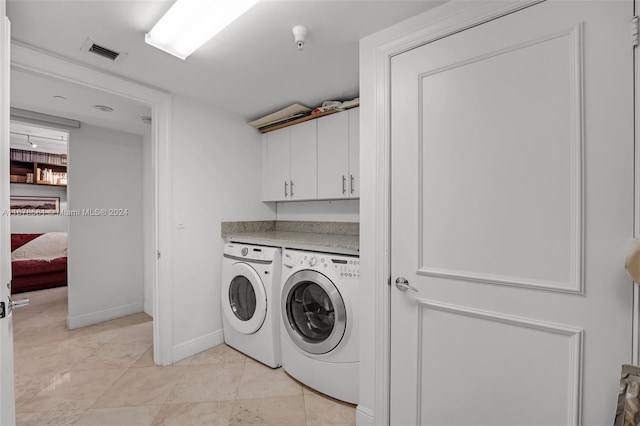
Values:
[(36, 266)]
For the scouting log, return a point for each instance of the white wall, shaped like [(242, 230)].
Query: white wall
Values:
[(320, 211), (216, 174), (36, 224), (105, 271)]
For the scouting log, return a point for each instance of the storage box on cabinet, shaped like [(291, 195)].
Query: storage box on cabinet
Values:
[(338, 155), (289, 168)]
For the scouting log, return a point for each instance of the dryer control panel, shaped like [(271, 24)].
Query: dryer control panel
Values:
[(251, 253)]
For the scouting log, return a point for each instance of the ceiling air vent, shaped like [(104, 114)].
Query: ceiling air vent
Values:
[(91, 46), (103, 51)]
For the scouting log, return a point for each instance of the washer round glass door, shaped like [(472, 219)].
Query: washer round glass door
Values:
[(245, 306), (313, 312)]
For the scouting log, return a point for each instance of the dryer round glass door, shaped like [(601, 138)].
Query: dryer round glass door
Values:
[(313, 312), (244, 299)]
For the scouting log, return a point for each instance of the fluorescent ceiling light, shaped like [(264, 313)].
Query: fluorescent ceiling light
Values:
[(190, 23)]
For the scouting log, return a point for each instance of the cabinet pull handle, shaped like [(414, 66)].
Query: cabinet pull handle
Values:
[(344, 186), (285, 188), (351, 184), (291, 187)]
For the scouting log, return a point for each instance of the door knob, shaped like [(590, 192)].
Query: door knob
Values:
[(5, 310), (403, 285), (18, 303)]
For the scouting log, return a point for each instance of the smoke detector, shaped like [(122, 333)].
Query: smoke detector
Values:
[(300, 33)]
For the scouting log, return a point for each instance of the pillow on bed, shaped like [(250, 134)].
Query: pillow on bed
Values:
[(45, 247)]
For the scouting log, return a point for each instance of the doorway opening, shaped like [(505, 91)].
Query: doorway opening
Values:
[(156, 199)]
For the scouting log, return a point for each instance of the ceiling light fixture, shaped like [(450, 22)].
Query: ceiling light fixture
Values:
[(33, 145), (103, 108), (188, 24)]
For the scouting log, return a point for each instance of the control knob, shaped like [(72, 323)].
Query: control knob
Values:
[(313, 261)]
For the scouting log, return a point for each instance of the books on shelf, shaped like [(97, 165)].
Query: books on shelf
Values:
[(50, 177), (38, 157)]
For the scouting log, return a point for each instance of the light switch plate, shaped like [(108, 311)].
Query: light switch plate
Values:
[(181, 222)]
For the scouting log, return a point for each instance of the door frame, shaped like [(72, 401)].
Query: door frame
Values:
[(28, 59), (376, 53), (635, 357)]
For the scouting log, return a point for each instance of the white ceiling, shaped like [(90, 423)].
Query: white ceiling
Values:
[(251, 68), (38, 93)]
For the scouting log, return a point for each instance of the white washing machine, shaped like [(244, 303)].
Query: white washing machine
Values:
[(319, 327), (251, 301)]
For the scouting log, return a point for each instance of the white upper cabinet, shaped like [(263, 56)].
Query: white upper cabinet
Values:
[(315, 159), (289, 163), (275, 165), (354, 152), (303, 183), (338, 155)]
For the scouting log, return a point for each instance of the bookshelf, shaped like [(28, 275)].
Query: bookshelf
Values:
[(37, 168)]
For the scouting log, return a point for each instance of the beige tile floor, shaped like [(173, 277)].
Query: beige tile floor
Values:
[(104, 375)]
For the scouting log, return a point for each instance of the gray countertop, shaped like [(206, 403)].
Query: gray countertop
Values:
[(289, 235)]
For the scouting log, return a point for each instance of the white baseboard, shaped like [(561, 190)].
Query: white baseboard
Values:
[(199, 344), (106, 315), (364, 416)]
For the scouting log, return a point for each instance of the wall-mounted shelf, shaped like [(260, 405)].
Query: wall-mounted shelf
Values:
[(37, 168), (302, 119)]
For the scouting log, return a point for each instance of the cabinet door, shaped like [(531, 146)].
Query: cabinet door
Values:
[(275, 165), (304, 161), (333, 155), (354, 153)]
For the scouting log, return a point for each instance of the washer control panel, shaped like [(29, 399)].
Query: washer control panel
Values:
[(347, 268)]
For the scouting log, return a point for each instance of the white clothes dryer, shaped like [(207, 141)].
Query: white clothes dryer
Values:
[(251, 301), (319, 329)]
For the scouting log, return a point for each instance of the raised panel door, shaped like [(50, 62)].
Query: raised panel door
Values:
[(512, 175)]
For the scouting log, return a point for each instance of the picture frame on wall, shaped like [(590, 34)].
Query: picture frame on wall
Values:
[(27, 205)]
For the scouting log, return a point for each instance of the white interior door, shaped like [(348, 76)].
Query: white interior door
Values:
[(7, 397), (512, 204)]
